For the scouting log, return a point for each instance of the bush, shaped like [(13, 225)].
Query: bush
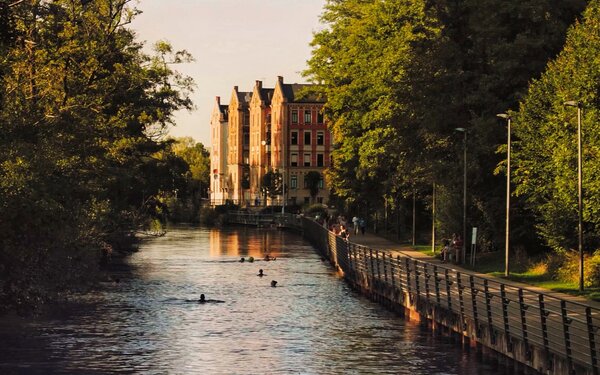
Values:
[(209, 216), (317, 210), (564, 266)]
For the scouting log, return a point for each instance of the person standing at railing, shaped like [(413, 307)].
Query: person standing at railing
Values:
[(355, 220), (344, 233)]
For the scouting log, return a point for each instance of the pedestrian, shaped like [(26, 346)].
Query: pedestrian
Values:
[(363, 225), (344, 233), (355, 220)]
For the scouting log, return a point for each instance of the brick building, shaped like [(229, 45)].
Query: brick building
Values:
[(274, 129)]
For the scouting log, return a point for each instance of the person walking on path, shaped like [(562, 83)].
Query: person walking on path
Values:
[(363, 225), (355, 220)]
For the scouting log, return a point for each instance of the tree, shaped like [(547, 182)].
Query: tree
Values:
[(399, 77), (272, 184), (313, 180), (193, 181), (82, 113), (545, 153)]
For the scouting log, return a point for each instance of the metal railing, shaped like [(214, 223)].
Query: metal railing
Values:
[(537, 320), (265, 219)]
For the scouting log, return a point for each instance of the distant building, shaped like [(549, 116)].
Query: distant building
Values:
[(238, 159), (272, 129), (218, 153)]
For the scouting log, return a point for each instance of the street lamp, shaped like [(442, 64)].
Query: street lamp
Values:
[(507, 238), (579, 106), (464, 242)]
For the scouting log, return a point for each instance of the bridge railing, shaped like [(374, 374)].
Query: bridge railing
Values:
[(265, 219), (534, 318)]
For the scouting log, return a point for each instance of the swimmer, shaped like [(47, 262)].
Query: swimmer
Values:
[(267, 257), (251, 259), (204, 300), (260, 273), (242, 260), (273, 283)]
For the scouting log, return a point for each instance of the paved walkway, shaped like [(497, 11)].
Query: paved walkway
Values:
[(376, 242)]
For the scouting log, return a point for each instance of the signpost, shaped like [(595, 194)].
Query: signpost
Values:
[(473, 246)]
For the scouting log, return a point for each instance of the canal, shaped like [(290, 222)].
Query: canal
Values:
[(150, 322)]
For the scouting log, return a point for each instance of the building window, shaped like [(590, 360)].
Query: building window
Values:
[(307, 138), (319, 117), (294, 139), (319, 160), (306, 200), (307, 160), (320, 183), (294, 161), (307, 116), (246, 139), (294, 182), (320, 138), (320, 200), (294, 116)]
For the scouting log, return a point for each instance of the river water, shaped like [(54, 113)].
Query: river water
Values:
[(151, 323)]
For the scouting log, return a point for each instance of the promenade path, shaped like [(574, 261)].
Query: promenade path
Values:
[(377, 242)]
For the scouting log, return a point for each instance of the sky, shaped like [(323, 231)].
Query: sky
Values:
[(234, 43)]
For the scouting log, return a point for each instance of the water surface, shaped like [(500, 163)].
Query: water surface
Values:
[(151, 323)]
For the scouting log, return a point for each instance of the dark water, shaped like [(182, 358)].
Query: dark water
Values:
[(150, 322)]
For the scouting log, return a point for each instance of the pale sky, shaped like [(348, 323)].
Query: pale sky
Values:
[(234, 42)]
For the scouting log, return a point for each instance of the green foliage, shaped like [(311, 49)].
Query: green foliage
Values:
[(545, 153), (193, 178), (272, 184), (317, 210), (565, 268), (82, 114), (312, 179), (399, 77)]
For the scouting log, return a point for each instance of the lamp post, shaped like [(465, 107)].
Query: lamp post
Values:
[(507, 234), (579, 106), (464, 242)]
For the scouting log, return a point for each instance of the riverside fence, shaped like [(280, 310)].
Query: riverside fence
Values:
[(545, 332), (265, 219)]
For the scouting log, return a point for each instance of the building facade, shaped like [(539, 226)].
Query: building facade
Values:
[(218, 153), (238, 144), (281, 130)]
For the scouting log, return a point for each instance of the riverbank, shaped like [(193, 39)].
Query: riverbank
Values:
[(549, 332), (519, 280)]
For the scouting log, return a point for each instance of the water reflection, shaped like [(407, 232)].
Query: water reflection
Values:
[(240, 244), (150, 322)]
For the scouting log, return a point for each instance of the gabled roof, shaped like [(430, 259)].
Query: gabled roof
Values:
[(298, 93), (244, 97), (267, 95)]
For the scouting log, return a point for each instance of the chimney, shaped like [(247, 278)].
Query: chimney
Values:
[(235, 88), (280, 79), (218, 100), (259, 84)]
